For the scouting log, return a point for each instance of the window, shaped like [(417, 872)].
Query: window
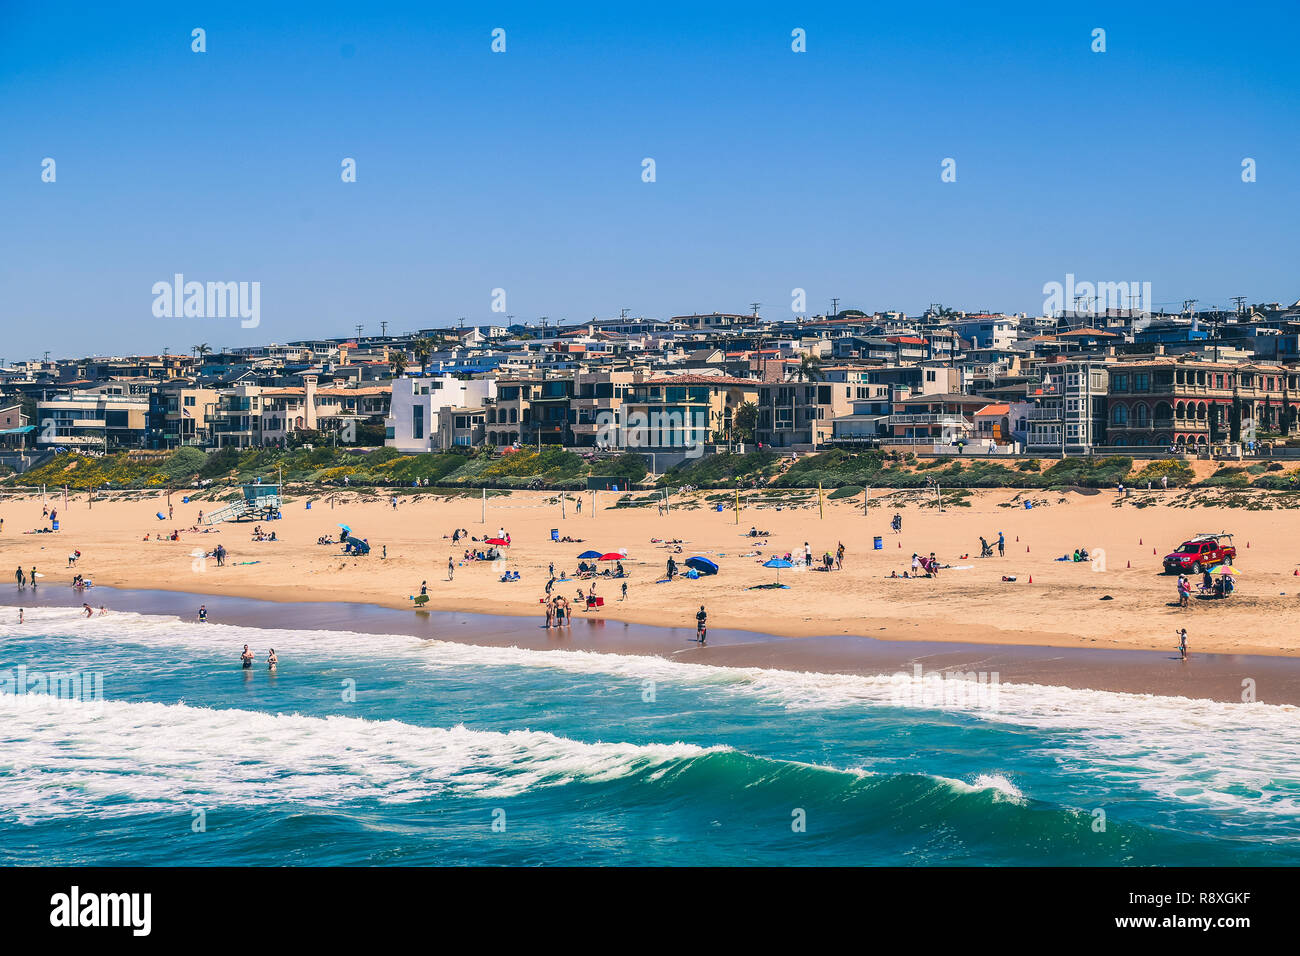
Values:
[(417, 422), (1141, 382), (1120, 384)]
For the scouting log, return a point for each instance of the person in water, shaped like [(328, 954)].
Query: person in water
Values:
[(86, 608), (272, 660), (247, 657), (203, 615), (1182, 642), (702, 625)]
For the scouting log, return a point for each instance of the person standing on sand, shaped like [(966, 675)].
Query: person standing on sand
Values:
[(807, 555), (20, 577), (1002, 546), (702, 625), (1184, 591), (451, 569), (1182, 642), (839, 557), (624, 597), (1164, 482)]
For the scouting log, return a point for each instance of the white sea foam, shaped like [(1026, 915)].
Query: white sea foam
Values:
[(1207, 753), (65, 759)]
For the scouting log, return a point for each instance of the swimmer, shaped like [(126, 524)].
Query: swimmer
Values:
[(247, 657), (86, 608), (203, 615), (272, 660)]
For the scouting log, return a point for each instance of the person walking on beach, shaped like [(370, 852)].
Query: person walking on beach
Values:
[(1182, 642), (1002, 546), (247, 658), (624, 597), (1164, 482), (20, 577), (807, 555), (1184, 591), (702, 625), (451, 569), (32, 577), (839, 557)]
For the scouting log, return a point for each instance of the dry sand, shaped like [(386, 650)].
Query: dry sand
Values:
[(1063, 606)]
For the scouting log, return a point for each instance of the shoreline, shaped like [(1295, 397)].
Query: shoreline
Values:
[(1209, 676)]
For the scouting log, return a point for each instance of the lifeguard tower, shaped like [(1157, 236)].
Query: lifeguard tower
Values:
[(259, 503)]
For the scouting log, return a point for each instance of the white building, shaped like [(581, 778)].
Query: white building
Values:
[(420, 404)]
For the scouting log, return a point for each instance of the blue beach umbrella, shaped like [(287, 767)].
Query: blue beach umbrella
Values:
[(777, 563), (588, 555), (703, 565)]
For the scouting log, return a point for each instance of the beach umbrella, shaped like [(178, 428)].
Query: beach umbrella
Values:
[(1224, 569), (498, 541), (588, 555), (612, 556), (346, 528), (777, 563), (703, 565)]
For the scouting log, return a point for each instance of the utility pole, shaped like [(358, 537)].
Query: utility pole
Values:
[(359, 327), (622, 314), (383, 328), (835, 306), (1241, 303), (753, 308)]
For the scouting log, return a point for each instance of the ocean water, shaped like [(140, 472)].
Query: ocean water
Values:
[(375, 750)]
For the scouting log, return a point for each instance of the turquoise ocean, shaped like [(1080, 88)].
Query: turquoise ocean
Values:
[(371, 749)]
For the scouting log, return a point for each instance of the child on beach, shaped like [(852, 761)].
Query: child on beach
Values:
[(1182, 642)]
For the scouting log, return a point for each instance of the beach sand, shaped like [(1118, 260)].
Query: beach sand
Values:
[(1064, 605)]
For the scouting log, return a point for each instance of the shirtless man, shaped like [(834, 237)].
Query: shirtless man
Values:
[(247, 657)]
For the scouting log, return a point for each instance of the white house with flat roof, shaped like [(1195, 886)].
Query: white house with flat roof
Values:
[(419, 405)]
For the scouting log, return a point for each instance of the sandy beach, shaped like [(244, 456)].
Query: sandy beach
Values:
[(1118, 601)]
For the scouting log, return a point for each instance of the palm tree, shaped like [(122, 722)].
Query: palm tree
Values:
[(422, 348), (809, 369), (200, 351), (397, 361)]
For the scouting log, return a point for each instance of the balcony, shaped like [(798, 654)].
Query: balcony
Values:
[(933, 418)]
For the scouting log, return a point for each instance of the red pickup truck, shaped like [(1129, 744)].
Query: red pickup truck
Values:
[(1200, 552)]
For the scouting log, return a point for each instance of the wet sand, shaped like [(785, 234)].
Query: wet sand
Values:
[(1219, 677)]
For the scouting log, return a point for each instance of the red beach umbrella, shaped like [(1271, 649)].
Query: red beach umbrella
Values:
[(612, 556), (498, 541)]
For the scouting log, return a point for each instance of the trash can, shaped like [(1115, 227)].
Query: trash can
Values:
[(555, 534), (309, 506), (877, 543), (719, 506), (54, 525), (1028, 505)]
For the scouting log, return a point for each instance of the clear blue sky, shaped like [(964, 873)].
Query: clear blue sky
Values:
[(522, 170)]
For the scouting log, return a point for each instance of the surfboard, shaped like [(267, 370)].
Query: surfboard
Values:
[(420, 599)]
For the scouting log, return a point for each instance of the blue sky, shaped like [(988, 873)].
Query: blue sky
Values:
[(775, 170)]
